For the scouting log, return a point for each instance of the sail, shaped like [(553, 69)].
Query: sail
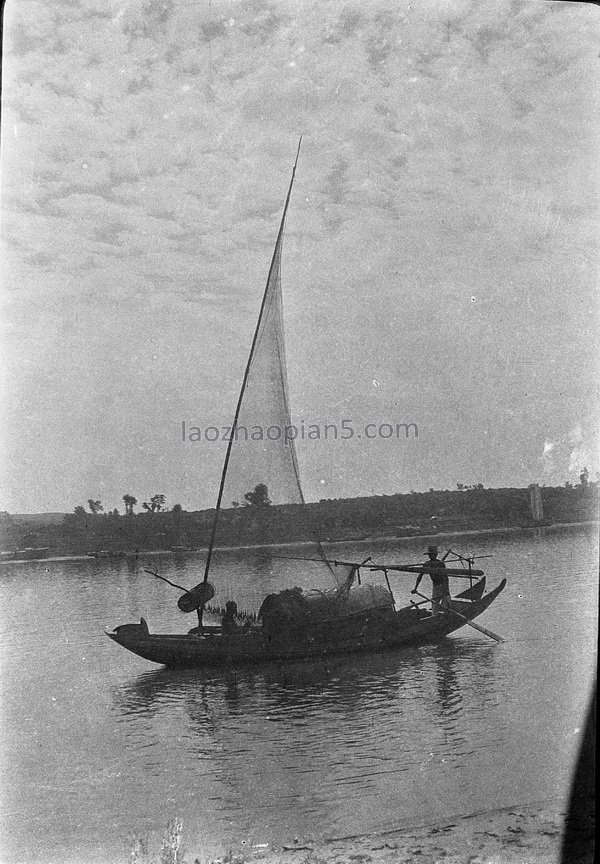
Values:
[(260, 499), (264, 451)]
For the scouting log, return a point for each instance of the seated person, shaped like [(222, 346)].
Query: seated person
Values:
[(228, 622)]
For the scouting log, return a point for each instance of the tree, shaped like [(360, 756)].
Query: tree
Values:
[(130, 502), (259, 497), (157, 503), (79, 511), (95, 507)]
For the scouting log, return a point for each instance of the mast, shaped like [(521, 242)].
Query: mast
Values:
[(246, 374)]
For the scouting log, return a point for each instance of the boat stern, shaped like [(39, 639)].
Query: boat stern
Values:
[(124, 634)]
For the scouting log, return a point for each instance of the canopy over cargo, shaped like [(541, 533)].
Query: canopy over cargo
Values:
[(295, 606)]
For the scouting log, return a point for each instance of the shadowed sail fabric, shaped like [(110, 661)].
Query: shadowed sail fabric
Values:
[(261, 473), (263, 451)]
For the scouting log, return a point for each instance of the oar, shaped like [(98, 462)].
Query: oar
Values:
[(466, 620), (328, 560), (460, 572), (404, 568)]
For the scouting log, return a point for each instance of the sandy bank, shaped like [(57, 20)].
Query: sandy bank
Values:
[(515, 835)]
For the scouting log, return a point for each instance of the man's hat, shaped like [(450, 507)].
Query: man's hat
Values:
[(432, 550)]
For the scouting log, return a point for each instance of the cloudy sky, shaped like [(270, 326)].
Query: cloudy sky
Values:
[(440, 262)]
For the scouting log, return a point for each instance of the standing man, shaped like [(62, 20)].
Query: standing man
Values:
[(440, 589)]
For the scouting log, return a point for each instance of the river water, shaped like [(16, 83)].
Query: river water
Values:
[(100, 747)]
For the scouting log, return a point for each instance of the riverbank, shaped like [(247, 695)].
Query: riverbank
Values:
[(529, 834), (299, 544), (398, 516), (516, 835)]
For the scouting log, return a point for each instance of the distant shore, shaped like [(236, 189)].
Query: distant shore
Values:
[(298, 544), (395, 518)]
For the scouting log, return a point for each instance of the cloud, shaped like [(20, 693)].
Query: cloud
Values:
[(569, 454), (147, 149)]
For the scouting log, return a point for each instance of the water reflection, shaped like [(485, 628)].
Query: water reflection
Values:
[(448, 706), (353, 678), (316, 736), (335, 693), (462, 694)]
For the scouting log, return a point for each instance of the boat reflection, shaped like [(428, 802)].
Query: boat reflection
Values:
[(463, 684), (283, 742), (350, 684)]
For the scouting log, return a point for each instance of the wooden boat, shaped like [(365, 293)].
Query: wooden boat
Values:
[(374, 630), (351, 618)]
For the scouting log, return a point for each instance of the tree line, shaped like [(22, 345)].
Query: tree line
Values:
[(256, 520), (155, 505)]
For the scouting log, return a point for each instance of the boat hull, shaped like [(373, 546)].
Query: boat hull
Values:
[(376, 630)]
